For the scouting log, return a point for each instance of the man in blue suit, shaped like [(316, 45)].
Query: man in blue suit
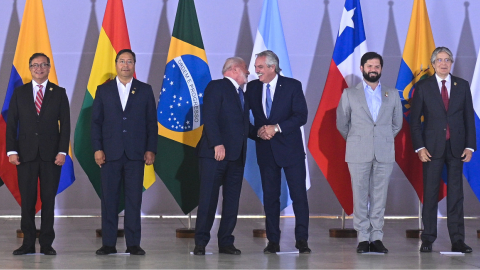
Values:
[(222, 151), (279, 108), (124, 138)]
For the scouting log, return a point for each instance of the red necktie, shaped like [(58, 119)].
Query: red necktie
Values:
[(445, 102), (39, 99)]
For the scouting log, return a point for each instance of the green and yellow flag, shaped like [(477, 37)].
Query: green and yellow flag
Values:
[(180, 121), (113, 38)]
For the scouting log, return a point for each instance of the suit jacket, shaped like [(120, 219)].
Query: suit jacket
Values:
[(427, 101), (133, 131), (47, 133), (289, 110), (367, 139), (225, 123)]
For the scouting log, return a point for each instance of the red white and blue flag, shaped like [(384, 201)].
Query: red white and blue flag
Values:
[(326, 144)]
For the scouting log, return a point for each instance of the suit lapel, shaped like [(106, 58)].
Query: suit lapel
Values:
[(131, 96), (385, 99), (454, 93), (435, 92), (277, 96), (116, 95), (235, 93), (258, 96), (363, 99), (27, 92)]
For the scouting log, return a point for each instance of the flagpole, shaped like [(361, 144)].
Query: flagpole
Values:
[(415, 233), (342, 232)]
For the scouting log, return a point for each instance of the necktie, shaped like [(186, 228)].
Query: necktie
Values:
[(39, 99), (445, 103), (268, 101), (240, 94)]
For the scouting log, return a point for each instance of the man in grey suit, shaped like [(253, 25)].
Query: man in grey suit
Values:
[(369, 116)]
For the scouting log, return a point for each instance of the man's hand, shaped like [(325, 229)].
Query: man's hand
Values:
[(219, 152), (99, 158), (266, 132), (60, 159), (14, 159), (467, 155), (149, 158), (424, 155)]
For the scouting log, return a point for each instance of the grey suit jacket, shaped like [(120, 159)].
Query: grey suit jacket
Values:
[(368, 140)]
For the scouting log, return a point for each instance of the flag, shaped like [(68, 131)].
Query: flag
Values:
[(180, 121), (269, 37), (471, 169), (326, 144), (33, 38), (113, 38), (415, 66)]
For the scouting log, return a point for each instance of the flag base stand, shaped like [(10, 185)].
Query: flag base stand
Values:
[(260, 233), (413, 233), (342, 233), (186, 232), (21, 235), (120, 232)]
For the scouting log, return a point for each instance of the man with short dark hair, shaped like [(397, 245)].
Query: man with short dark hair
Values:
[(124, 138), (369, 116), (38, 137), (445, 138), (279, 108)]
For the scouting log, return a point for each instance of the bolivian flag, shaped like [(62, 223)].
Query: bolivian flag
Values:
[(33, 38), (113, 38), (415, 66), (180, 121)]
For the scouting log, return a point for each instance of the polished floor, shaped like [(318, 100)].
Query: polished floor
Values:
[(76, 244)]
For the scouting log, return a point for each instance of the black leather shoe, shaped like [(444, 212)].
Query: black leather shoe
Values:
[(105, 250), (460, 246), (271, 248), (48, 250), (426, 247), (135, 250), (24, 250), (199, 250), (302, 246), (377, 246), (229, 250), (363, 247)]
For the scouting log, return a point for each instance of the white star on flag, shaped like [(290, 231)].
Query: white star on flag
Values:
[(171, 106), (200, 95), (180, 98), (163, 89), (174, 96), (179, 105), (173, 65), (347, 20), (169, 119), (171, 83), (188, 122)]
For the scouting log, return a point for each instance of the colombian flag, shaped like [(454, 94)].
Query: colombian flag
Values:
[(415, 66), (33, 38), (113, 38), (180, 121)]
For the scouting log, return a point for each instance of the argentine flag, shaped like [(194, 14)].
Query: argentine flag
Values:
[(269, 37)]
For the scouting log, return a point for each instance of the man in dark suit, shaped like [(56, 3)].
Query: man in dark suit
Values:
[(447, 137), (124, 138), (222, 151), (279, 108), (38, 136)]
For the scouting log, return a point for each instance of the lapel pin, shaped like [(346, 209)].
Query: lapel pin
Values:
[(51, 89), (133, 92), (386, 94), (454, 83)]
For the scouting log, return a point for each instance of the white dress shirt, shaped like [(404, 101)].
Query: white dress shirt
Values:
[(124, 91)]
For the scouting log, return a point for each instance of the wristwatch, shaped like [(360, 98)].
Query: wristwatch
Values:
[(276, 129)]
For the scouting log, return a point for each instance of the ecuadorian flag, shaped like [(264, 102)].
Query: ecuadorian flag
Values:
[(415, 66), (180, 121), (33, 38), (113, 38)]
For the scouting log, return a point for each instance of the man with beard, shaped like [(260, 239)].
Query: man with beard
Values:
[(369, 116)]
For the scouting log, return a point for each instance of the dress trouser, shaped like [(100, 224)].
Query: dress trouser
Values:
[(271, 184), (370, 187), (432, 175), (46, 176), (214, 174), (117, 175)]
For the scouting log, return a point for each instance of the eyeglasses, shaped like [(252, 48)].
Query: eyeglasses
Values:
[(42, 65), (128, 62), (446, 60)]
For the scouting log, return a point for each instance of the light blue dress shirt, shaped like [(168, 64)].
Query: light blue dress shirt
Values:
[(374, 99)]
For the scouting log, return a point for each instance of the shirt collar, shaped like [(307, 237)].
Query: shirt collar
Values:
[(366, 86), (439, 80), (234, 82), (120, 83), (44, 84), (273, 83)]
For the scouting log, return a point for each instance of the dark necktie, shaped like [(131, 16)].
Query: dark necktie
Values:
[(240, 94), (445, 103), (268, 101)]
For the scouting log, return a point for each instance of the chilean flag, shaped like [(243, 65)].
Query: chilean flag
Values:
[(326, 144)]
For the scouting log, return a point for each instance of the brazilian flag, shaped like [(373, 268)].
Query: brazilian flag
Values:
[(180, 121)]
